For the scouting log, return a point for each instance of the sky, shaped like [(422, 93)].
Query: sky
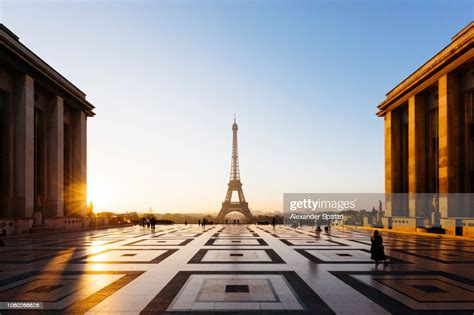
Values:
[(166, 77)]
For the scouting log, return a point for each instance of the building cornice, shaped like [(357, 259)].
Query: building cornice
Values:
[(462, 44), (11, 42)]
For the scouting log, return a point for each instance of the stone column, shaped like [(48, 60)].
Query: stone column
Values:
[(55, 140), (79, 163), (24, 148), (388, 164), (388, 152), (392, 161), (449, 128), (416, 155)]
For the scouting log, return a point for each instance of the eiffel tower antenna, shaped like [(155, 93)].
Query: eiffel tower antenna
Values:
[(235, 184)]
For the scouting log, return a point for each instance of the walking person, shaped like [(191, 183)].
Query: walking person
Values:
[(377, 249)]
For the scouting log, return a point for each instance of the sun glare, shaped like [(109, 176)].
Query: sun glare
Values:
[(99, 196)]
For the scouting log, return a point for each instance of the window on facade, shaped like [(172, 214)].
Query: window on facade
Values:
[(3, 149), (39, 174), (469, 142), (471, 154), (433, 169), (67, 168), (404, 151), (3, 119)]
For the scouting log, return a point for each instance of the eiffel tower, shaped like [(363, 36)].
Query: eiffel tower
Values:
[(235, 184)]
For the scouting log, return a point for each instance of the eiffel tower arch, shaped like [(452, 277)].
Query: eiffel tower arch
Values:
[(235, 184)]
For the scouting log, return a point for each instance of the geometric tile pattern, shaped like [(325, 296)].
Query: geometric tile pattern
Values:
[(222, 241), (161, 242), (69, 291), (236, 256), (247, 268), (311, 242), (442, 255), (406, 293), (127, 256), (342, 256), (242, 291)]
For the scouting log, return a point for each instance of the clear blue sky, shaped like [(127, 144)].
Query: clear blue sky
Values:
[(304, 78)]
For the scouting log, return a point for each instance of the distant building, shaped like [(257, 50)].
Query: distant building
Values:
[(429, 139), (43, 121)]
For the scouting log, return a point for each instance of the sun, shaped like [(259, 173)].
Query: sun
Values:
[(99, 196)]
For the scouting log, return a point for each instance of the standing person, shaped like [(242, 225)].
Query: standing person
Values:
[(185, 222), (273, 222), (377, 248), (153, 222)]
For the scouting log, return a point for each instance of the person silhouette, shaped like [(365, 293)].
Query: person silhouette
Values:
[(377, 249)]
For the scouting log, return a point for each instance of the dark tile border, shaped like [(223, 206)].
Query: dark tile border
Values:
[(261, 242), (390, 304), (136, 243), (218, 235), (164, 235), (55, 253), (84, 305), (121, 235), (169, 252), (68, 245), (414, 248), (456, 244), (345, 236), (287, 242), (275, 258), (10, 243), (309, 299), (424, 256), (385, 243), (309, 235), (319, 261)]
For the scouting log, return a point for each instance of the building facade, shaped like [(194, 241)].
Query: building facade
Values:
[(429, 141), (43, 137)]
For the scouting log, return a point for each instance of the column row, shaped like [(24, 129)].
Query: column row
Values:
[(48, 145)]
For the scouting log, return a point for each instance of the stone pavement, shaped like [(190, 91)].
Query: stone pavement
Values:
[(252, 269)]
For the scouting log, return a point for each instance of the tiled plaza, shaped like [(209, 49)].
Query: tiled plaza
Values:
[(181, 269)]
